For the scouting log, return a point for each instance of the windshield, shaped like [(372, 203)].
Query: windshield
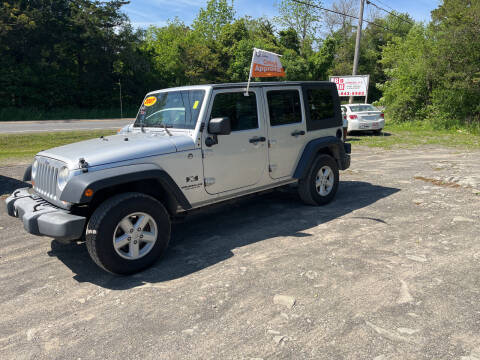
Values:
[(173, 109), (360, 108)]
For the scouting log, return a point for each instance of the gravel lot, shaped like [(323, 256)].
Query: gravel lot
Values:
[(389, 270)]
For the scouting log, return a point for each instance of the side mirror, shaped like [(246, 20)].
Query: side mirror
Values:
[(219, 126)]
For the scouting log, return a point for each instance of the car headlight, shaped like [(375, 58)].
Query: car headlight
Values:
[(34, 169), (63, 177)]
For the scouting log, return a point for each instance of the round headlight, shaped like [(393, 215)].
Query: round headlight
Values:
[(63, 176), (34, 169)]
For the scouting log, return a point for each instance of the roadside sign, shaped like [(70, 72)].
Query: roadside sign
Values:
[(352, 85)]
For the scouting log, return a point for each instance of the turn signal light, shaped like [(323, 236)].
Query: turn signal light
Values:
[(353, 116), (382, 116), (88, 192)]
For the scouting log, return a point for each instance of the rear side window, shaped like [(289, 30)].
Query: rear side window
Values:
[(323, 109), (241, 109), (321, 104), (284, 107)]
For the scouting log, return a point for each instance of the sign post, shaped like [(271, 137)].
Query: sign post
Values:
[(352, 85), (264, 64)]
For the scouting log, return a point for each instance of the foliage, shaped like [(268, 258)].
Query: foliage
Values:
[(66, 58), (210, 20), (304, 18), (434, 73)]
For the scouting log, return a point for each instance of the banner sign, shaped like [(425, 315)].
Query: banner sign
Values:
[(351, 85), (266, 64)]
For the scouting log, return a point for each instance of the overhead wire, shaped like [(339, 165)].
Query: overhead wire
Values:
[(340, 13), (369, 2)]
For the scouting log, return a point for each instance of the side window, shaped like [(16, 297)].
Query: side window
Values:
[(241, 109), (321, 105), (284, 107)]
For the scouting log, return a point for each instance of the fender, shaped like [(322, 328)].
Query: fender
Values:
[(74, 192), (27, 176), (334, 144)]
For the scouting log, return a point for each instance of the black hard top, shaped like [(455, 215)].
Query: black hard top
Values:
[(272, 83)]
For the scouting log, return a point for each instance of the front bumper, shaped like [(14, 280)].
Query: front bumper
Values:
[(42, 218)]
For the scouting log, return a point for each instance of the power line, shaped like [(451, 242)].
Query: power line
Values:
[(388, 6), (391, 13), (340, 13)]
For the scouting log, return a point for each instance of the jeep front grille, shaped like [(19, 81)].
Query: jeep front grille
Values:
[(46, 178)]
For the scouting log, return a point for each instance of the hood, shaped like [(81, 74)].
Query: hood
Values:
[(116, 148)]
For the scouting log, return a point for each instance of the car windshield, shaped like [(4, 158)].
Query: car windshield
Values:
[(173, 109), (360, 108)]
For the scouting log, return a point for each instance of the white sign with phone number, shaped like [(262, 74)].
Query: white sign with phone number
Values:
[(351, 85)]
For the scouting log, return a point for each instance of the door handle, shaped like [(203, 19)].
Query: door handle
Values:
[(298, 132), (256, 140)]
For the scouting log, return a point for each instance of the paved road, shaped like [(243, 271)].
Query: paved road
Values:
[(18, 127), (389, 270)]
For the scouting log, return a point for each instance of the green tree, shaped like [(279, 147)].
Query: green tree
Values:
[(407, 65), (210, 20), (303, 17)]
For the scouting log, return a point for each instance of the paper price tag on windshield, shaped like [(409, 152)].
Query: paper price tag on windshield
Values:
[(195, 104), (149, 101)]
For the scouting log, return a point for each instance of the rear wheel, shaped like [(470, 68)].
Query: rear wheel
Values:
[(128, 233), (321, 183)]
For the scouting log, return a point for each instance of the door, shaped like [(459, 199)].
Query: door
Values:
[(239, 159), (286, 129)]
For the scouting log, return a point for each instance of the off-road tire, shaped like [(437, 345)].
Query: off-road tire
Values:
[(102, 224), (307, 187)]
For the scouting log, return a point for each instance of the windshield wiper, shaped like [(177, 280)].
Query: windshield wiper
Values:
[(166, 129)]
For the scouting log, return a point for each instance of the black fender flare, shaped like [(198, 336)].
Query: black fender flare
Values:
[(335, 145), (98, 180), (27, 175)]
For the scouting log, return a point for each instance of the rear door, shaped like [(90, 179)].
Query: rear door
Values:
[(286, 129), (239, 159)]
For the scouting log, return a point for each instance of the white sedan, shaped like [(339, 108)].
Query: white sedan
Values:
[(363, 117)]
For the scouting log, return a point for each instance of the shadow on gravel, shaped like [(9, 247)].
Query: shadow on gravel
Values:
[(208, 237), (8, 185)]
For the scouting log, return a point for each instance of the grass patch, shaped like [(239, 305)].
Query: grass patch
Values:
[(407, 135), (23, 147), (20, 114)]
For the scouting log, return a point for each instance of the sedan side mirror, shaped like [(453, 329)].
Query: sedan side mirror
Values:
[(220, 126)]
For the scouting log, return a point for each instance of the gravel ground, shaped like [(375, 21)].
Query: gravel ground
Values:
[(389, 270)]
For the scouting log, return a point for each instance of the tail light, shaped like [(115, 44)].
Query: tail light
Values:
[(353, 117), (382, 116)]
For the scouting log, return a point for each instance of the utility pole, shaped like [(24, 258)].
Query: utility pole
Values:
[(121, 108), (357, 43)]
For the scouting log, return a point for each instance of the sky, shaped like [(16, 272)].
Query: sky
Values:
[(143, 13)]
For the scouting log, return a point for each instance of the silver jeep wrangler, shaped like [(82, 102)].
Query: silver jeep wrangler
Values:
[(189, 147)]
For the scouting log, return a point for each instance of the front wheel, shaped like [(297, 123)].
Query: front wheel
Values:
[(128, 233), (321, 183)]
